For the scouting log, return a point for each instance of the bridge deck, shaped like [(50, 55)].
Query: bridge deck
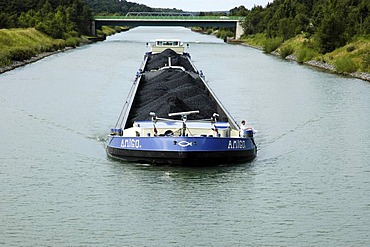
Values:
[(170, 20), (169, 17)]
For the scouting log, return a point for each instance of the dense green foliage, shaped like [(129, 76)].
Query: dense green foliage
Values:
[(116, 7), (332, 23), (57, 18), (63, 18), (121, 7), (239, 11)]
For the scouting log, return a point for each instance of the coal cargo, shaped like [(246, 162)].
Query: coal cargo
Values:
[(170, 90)]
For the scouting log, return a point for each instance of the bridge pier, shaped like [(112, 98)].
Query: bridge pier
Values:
[(93, 28), (238, 30)]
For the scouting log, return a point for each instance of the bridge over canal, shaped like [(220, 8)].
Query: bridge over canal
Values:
[(135, 19)]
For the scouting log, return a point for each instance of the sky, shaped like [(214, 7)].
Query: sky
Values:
[(202, 5)]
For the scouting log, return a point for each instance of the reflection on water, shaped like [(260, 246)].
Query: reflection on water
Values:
[(309, 183)]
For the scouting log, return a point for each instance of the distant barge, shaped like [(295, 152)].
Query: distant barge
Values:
[(172, 116)]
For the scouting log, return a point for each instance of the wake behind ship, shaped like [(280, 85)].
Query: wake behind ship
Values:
[(172, 116)]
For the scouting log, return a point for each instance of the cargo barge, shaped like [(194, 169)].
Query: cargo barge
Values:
[(171, 116)]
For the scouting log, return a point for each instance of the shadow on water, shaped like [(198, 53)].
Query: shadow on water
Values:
[(181, 172)]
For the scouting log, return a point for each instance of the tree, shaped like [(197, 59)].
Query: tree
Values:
[(239, 11), (8, 20), (330, 33), (254, 21), (286, 28)]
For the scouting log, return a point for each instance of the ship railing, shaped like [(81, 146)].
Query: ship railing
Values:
[(121, 121), (184, 118), (231, 120)]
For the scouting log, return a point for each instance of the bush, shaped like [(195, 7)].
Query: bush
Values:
[(196, 29), (220, 34), (366, 63), (58, 46), (271, 45), (21, 54), (117, 29), (99, 32), (71, 34), (5, 61), (42, 48), (305, 54), (229, 34), (345, 65), (286, 51), (72, 42), (108, 30), (350, 48), (223, 34)]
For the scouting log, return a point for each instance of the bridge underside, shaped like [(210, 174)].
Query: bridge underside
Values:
[(182, 23)]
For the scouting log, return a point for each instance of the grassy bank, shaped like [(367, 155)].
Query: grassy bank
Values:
[(22, 44), (353, 57)]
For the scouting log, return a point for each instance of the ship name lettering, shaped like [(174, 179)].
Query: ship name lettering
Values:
[(130, 143), (237, 144)]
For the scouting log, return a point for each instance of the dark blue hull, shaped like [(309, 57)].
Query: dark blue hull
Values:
[(190, 151)]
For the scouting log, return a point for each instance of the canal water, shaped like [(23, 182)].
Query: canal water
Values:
[(308, 186)]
